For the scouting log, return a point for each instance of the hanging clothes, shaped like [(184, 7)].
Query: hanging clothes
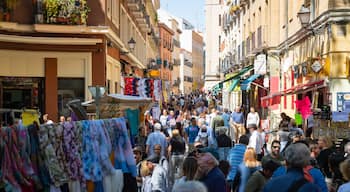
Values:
[(124, 157), (73, 149), (51, 144), (132, 116), (42, 176), (91, 167)]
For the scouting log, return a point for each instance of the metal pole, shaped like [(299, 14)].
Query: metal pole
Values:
[(97, 102)]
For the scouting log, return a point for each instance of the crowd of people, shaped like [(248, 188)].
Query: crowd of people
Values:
[(197, 145)]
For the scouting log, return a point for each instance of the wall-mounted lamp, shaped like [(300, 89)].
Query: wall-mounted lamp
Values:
[(131, 44), (304, 18)]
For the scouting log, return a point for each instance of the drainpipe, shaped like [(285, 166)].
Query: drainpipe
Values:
[(286, 46), (312, 8)]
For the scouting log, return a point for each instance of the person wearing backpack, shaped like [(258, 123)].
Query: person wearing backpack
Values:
[(297, 156)]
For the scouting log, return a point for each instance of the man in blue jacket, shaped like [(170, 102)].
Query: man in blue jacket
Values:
[(209, 173), (297, 156)]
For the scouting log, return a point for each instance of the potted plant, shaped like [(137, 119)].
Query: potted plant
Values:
[(6, 7), (51, 10)]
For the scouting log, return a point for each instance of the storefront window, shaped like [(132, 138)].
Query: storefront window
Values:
[(17, 93), (69, 89)]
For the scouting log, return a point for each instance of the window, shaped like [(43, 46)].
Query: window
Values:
[(109, 8), (219, 20), (115, 12)]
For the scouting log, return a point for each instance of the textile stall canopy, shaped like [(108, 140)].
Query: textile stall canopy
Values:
[(275, 98), (113, 105), (233, 85), (245, 85)]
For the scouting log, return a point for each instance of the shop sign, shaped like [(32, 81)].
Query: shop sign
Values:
[(304, 69), (154, 73), (260, 64), (296, 71), (343, 101), (316, 66)]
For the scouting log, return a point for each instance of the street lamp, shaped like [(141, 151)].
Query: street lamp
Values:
[(304, 16), (131, 44), (97, 92)]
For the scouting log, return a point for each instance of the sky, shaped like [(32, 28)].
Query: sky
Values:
[(191, 10)]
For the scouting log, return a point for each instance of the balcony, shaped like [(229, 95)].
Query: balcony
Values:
[(141, 12), (63, 12), (133, 5), (189, 64), (177, 62), (144, 24), (177, 82)]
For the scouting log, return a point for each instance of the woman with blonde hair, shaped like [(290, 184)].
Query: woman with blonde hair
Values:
[(249, 165), (146, 177)]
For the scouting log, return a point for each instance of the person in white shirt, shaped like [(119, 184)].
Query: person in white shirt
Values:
[(164, 118), (253, 117), (255, 140)]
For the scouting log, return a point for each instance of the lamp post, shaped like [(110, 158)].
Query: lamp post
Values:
[(97, 92), (304, 16), (131, 44)]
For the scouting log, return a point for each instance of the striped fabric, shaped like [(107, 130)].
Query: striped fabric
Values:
[(235, 157)]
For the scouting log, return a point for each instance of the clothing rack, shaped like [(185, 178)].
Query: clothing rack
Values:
[(49, 155)]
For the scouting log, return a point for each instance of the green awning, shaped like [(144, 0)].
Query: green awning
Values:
[(233, 85), (239, 74), (219, 86)]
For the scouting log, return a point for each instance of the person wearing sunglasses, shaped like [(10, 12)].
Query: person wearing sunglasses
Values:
[(275, 153)]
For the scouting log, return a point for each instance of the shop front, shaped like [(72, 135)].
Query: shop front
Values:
[(45, 81)]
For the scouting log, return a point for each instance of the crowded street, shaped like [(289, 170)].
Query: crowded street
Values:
[(175, 96)]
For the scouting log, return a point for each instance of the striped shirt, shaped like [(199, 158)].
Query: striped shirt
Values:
[(235, 157)]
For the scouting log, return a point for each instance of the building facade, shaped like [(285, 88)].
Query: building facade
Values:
[(166, 49), (213, 10), (198, 63), (286, 58), (49, 58)]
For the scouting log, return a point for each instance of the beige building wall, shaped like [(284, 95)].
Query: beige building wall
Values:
[(213, 10), (130, 30)]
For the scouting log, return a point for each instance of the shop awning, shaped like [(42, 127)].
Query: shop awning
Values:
[(239, 74), (233, 85), (219, 86), (275, 98), (245, 85)]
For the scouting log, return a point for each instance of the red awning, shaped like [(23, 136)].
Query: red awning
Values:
[(275, 98), (270, 100)]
